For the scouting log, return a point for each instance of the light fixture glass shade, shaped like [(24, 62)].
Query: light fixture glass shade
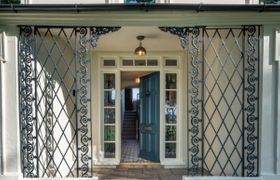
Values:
[(140, 51), (137, 80)]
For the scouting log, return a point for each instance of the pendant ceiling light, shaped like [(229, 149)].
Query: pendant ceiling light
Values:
[(140, 50)]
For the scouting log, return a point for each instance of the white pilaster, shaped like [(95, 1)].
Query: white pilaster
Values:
[(267, 104), (10, 120)]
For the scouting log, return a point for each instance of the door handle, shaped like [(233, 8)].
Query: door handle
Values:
[(148, 128)]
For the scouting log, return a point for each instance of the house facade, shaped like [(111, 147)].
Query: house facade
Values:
[(75, 94)]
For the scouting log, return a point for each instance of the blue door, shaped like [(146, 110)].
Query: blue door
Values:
[(149, 117)]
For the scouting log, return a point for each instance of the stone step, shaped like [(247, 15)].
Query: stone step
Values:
[(140, 165)]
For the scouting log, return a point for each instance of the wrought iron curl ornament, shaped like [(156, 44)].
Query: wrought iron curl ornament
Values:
[(26, 101), (186, 35), (252, 102), (83, 91), (95, 33), (181, 32), (195, 109)]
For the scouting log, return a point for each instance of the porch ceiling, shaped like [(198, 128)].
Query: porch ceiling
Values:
[(125, 40)]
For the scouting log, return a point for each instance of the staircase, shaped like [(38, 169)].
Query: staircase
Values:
[(129, 125)]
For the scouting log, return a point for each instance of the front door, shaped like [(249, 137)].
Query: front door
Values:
[(149, 117)]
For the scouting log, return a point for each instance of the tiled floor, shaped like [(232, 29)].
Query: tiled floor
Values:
[(130, 151)]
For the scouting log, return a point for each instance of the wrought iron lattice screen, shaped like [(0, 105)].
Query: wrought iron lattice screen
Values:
[(55, 103), (230, 101), (223, 100), (223, 91)]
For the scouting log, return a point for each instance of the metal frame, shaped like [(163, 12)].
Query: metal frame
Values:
[(192, 39), (42, 57)]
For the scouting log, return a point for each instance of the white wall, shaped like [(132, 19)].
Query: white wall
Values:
[(10, 125)]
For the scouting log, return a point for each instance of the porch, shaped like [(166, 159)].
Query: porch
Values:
[(68, 127)]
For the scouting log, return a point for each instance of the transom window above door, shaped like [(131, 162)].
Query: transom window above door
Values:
[(138, 1)]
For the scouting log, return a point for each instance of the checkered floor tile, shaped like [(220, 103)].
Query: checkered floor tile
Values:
[(130, 151)]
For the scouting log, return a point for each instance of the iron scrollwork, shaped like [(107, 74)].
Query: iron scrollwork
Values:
[(251, 98), (195, 110), (190, 40), (181, 32), (84, 107), (85, 136), (96, 32), (27, 100)]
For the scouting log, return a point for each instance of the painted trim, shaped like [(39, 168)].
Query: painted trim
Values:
[(141, 6), (99, 56)]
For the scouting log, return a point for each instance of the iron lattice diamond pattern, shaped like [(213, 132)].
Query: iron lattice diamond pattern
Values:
[(54, 88), (50, 95), (223, 101), (56, 81), (223, 91), (55, 99)]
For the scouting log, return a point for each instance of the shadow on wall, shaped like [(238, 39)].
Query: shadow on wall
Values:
[(56, 103)]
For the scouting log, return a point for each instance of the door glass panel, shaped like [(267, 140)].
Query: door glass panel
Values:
[(109, 98), (109, 113), (170, 133), (109, 150), (170, 98), (170, 114), (109, 133), (109, 81), (170, 150), (170, 81)]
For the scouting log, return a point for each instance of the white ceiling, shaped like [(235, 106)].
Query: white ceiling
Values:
[(125, 40), (132, 75)]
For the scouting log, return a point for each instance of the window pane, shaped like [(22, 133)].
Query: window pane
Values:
[(170, 115), (109, 150), (138, 1), (140, 62), (109, 81), (170, 133), (170, 81), (152, 62), (109, 115), (170, 150), (109, 133), (127, 62), (109, 62), (170, 98), (109, 98), (170, 62)]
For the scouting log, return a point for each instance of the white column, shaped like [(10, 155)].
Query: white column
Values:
[(1, 129), (268, 104), (277, 97), (10, 113)]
